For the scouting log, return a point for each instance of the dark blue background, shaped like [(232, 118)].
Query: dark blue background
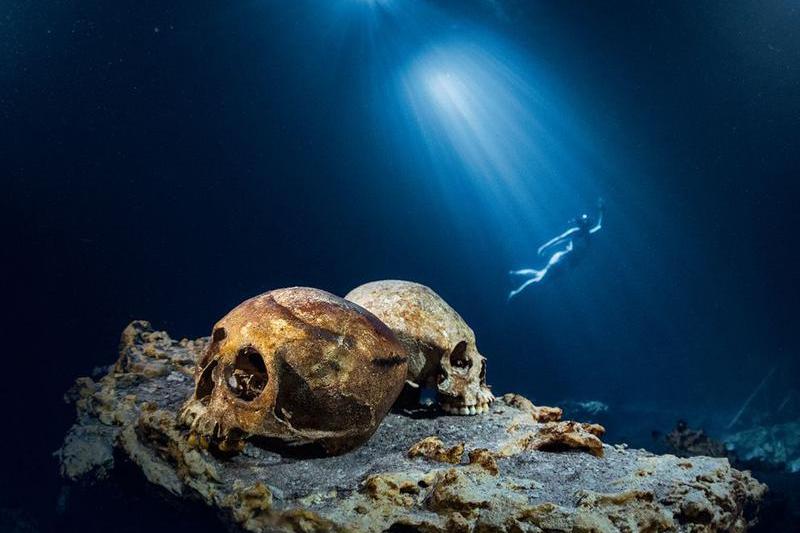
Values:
[(167, 160)]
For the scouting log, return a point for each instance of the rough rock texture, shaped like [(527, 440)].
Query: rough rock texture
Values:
[(776, 446), (684, 441), (518, 474)]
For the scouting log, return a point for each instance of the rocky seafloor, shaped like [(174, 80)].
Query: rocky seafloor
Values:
[(517, 468)]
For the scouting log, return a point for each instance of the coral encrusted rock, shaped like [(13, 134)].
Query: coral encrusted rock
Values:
[(517, 468)]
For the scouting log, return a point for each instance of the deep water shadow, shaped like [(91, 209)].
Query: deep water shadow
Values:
[(128, 503), (420, 412), (780, 510)]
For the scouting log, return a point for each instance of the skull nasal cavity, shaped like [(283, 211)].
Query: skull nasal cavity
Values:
[(205, 385), (247, 376), (458, 357)]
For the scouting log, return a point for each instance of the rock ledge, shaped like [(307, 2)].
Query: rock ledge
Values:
[(517, 468)]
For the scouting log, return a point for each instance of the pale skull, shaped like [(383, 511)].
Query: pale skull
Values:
[(440, 345), (295, 366)]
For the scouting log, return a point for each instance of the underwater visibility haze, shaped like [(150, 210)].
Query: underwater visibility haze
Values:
[(166, 161)]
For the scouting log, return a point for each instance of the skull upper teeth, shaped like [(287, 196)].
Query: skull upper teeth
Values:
[(470, 409)]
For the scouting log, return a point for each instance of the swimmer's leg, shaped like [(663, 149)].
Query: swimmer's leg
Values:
[(523, 272), (554, 260), (538, 275)]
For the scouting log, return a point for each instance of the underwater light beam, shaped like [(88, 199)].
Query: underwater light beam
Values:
[(473, 116), (493, 135)]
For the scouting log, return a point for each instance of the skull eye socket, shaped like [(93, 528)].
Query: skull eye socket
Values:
[(458, 357), (247, 376)]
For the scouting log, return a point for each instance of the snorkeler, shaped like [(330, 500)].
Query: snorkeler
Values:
[(570, 242)]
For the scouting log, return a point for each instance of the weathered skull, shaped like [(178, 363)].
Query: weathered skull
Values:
[(440, 345), (295, 366)]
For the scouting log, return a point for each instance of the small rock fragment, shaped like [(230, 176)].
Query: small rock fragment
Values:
[(434, 449), (557, 437), (453, 491), (547, 414), (684, 441), (518, 401), (485, 459), (251, 504), (571, 435), (539, 413), (392, 489)]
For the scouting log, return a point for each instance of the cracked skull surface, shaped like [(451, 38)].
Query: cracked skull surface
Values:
[(440, 345), (295, 366)]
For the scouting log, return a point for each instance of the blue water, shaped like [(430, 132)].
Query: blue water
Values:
[(165, 161)]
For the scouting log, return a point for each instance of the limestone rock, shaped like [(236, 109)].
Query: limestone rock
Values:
[(688, 442), (539, 413), (520, 474), (434, 449), (776, 446)]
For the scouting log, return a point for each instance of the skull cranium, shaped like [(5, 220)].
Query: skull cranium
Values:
[(441, 346), (297, 366)]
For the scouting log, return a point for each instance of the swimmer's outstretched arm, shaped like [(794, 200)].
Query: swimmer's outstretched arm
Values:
[(557, 240), (601, 210)]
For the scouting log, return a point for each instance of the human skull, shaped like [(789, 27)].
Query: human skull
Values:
[(440, 345), (295, 366)]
